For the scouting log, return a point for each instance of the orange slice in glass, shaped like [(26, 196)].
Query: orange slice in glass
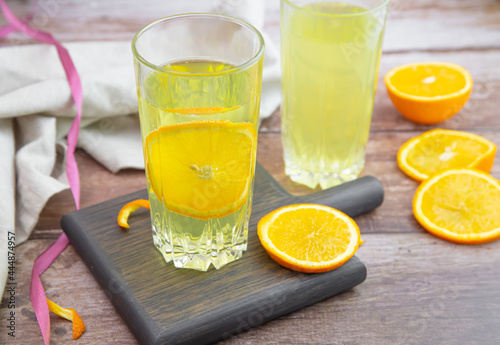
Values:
[(202, 169), (309, 238), (460, 205), (440, 149)]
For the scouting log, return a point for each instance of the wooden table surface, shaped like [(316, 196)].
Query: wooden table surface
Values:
[(419, 290)]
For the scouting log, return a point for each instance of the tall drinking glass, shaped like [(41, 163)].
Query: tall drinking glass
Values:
[(330, 58), (198, 86)]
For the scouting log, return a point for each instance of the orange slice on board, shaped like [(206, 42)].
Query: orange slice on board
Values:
[(459, 205), (439, 149), (309, 238), (429, 92), (202, 169)]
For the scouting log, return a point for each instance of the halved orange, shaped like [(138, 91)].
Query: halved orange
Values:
[(308, 237), (460, 205), (202, 169), (428, 92), (440, 149)]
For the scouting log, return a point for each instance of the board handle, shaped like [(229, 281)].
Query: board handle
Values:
[(353, 198)]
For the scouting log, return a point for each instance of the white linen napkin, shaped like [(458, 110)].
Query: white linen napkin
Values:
[(36, 112)]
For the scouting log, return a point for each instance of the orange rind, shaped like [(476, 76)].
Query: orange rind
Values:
[(69, 314), (129, 208)]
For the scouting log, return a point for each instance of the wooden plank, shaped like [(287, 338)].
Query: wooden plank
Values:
[(160, 303), (98, 185), (70, 284), (419, 290), (428, 25), (412, 25), (442, 25)]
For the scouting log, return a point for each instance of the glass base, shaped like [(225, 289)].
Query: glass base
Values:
[(324, 180), (202, 262), (196, 243), (218, 257)]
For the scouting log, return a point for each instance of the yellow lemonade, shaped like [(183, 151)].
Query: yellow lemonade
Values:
[(330, 59), (199, 134)]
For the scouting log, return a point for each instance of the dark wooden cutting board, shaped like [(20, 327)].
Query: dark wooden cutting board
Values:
[(165, 305)]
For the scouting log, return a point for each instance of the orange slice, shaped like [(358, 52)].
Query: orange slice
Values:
[(128, 208), (440, 149), (429, 92), (201, 111), (309, 238), (202, 169), (459, 205)]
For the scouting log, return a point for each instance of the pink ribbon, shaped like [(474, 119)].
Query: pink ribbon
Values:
[(37, 293)]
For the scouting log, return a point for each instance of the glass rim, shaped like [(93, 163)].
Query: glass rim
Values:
[(248, 63), (339, 15)]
